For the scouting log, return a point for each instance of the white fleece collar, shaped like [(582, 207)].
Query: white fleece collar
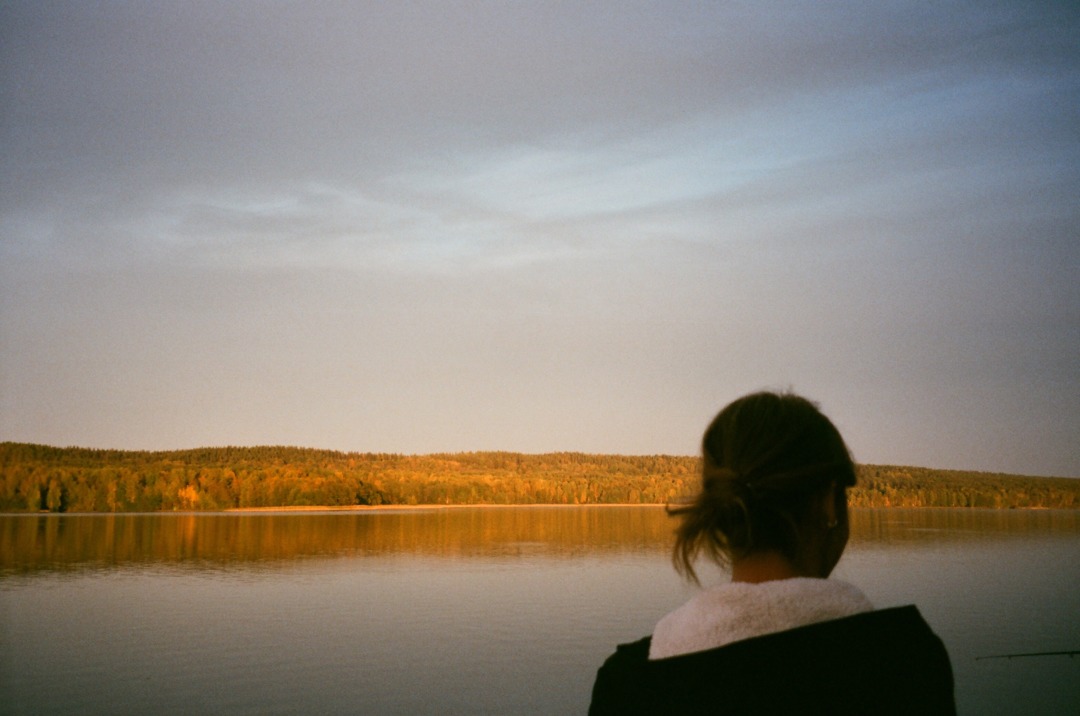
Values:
[(739, 610)]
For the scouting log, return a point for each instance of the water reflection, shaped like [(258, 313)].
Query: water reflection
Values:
[(33, 543), (911, 526), (56, 542)]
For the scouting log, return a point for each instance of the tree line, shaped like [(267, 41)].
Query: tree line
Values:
[(42, 478)]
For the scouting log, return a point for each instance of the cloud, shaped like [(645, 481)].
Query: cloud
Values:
[(465, 225)]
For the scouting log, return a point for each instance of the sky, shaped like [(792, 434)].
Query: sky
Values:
[(460, 226)]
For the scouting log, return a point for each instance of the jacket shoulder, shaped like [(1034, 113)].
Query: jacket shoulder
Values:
[(837, 667), (621, 679)]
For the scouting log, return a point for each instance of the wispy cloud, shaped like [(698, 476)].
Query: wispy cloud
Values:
[(441, 226)]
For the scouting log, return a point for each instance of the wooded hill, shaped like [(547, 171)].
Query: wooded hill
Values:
[(38, 477)]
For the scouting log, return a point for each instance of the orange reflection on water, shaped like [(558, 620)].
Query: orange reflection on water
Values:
[(56, 542), (31, 543)]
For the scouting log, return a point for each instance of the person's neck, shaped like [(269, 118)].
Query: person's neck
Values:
[(763, 567)]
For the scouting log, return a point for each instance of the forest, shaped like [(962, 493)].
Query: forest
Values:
[(37, 478)]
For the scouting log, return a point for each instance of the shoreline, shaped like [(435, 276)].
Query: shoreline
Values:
[(408, 508), (433, 506)]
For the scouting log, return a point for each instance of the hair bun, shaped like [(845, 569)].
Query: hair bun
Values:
[(727, 485)]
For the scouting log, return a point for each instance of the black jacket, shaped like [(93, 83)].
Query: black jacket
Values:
[(879, 662)]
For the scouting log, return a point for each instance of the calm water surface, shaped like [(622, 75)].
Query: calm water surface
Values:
[(466, 610)]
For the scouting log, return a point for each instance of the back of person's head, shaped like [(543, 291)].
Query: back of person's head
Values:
[(768, 459)]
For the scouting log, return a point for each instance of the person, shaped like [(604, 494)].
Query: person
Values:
[(780, 637)]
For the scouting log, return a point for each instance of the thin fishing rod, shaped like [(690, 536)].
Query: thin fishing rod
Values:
[(1035, 653)]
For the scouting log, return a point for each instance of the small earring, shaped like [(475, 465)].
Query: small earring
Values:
[(831, 524)]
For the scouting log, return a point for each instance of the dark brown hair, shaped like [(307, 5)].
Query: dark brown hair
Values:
[(766, 458)]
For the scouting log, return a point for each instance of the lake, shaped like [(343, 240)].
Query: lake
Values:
[(467, 610)]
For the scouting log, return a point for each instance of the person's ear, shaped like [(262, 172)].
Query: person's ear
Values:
[(828, 507)]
